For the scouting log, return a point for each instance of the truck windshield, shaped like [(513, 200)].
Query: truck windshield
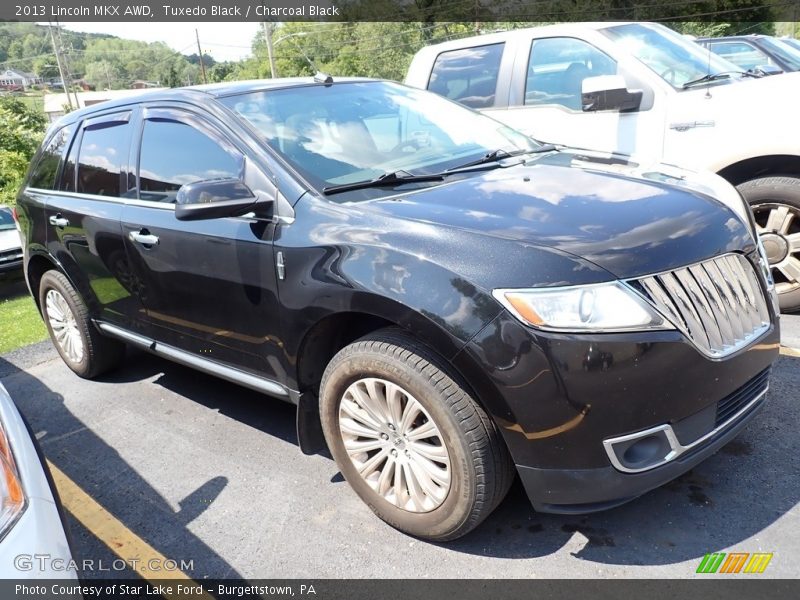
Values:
[(676, 59), (350, 132)]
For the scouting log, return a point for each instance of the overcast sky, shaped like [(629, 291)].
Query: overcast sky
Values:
[(223, 41)]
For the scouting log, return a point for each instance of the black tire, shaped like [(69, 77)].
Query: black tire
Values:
[(481, 469), (100, 354), (762, 195)]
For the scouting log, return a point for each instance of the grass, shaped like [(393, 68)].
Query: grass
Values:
[(20, 323)]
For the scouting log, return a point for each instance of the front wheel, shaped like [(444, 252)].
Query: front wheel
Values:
[(410, 440), (775, 202)]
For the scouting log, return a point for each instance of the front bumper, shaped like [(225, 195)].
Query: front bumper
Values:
[(36, 546), (556, 398), (579, 491)]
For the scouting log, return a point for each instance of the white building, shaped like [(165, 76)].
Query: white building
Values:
[(10, 78)]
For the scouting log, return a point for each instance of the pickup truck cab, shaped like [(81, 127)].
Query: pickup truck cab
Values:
[(642, 90)]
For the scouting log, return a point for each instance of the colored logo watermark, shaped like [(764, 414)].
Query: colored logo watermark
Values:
[(734, 562)]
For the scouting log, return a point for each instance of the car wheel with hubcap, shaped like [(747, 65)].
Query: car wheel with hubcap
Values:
[(775, 202), (410, 440), (75, 337)]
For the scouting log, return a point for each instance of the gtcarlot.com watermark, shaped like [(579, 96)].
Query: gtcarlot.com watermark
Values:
[(47, 563)]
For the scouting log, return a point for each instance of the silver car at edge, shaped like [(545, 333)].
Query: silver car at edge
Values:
[(10, 245), (33, 540)]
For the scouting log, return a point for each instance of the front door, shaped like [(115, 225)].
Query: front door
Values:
[(209, 287)]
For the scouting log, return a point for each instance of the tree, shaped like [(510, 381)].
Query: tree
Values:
[(21, 130)]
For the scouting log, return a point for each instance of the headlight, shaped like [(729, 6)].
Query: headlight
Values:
[(12, 498), (593, 308)]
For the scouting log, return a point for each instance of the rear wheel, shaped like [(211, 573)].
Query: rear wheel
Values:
[(75, 337), (775, 202), (410, 440)]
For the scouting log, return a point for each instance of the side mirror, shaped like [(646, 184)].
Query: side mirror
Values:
[(608, 92), (767, 70), (213, 199)]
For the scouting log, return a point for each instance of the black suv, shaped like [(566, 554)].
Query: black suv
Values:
[(446, 301)]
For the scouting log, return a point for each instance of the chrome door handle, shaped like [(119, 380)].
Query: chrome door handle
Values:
[(145, 239), (58, 221)]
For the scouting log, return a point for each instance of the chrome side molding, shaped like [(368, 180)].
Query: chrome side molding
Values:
[(260, 384)]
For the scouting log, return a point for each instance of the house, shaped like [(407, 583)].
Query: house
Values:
[(11, 78)]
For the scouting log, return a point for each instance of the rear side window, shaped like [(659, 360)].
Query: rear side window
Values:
[(174, 154), (557, 68), (44, 176), (468, 76), (104, 150)]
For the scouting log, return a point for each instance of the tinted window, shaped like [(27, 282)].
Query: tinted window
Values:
[(174, 154), (468, 75), (68, 172), (44, 176), (104, 148), (557, 68)]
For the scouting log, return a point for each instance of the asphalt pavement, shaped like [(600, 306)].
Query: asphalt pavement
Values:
[(208, 472)]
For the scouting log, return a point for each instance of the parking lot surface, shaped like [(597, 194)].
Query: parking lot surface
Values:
[(208, 472)]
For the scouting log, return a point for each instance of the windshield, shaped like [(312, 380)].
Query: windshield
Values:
[(674, 58), (792, 42), (784, 51), (6, 220), (348, 132)]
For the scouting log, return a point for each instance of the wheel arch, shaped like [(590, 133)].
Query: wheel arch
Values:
[(774, 165), (334, 331)]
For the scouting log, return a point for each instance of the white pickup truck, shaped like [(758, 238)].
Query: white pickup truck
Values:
[(642, 90)]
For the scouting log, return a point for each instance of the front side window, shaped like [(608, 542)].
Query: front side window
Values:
[(174, 153), (104, 150), (44, 176), (741, 54), (355, 131), (468, 76), (557, 68), (784, 51)]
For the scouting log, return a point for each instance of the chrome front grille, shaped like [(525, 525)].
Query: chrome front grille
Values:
[(718, 304)]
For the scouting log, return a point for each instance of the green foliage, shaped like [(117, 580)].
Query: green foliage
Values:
[(21, 130), (28, 326)]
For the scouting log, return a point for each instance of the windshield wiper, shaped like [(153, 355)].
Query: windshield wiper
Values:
[(387, 179), (717, 76), (499, 154)]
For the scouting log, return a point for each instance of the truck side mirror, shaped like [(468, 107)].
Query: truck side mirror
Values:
[(609, 92), (767, 70)]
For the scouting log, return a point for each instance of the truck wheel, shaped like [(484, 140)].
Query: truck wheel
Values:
[(79, 343), (410, 440), (775, 202)]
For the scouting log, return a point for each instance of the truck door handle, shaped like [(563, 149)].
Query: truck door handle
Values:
[(143, 237), (58, 221)]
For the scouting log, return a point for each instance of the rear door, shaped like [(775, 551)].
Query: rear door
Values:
[(83, 212), (209, 287)]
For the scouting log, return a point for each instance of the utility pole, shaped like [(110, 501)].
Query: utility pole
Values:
[(200, 53), (66, 66), (58, 62), (268, 38)]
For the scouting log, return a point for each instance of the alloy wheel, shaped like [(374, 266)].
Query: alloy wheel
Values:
[(395, 445), (778, 226), (64, 326)]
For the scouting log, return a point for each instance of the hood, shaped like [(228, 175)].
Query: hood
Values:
[(628, 221), (9, 239)]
